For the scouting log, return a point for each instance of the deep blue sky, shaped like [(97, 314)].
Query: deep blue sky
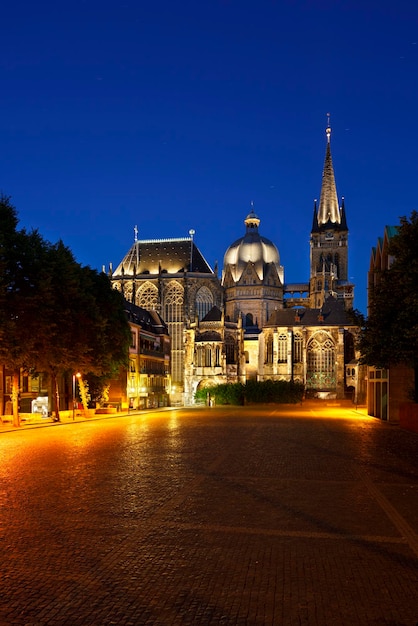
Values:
[(177, 114)]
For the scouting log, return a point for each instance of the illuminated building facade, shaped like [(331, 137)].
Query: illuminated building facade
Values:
[(251, 324), (171, 277)]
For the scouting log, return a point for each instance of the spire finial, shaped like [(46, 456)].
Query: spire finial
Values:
[(191, 233), (328, 130), (135, 233)]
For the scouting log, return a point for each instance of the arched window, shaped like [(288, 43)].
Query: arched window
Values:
[(199, 360), (217, 356), (208, 357), (321, 362), (297, 348), (282, 348), (173, 302), (173, 316), (269, 349), (147, 297), (230, 350), (249, 320), (203, 302)]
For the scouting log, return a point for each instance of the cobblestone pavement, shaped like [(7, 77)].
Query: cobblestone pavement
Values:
[(223, 516)]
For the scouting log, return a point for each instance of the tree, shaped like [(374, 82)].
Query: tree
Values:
[(390, 334), (21, 256), (83, 325), (56, 316)]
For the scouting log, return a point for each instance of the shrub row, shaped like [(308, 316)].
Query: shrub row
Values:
[(279, 391)]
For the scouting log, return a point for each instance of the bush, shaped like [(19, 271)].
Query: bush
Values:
[(278, 391)]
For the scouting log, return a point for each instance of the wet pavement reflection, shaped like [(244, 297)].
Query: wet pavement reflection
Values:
[(237, 515)]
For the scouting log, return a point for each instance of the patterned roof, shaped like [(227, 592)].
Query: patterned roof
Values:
[(170, 256)]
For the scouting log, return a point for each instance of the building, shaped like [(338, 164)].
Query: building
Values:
[(171, 277), (250, 324), (311, 346), (147, 382)]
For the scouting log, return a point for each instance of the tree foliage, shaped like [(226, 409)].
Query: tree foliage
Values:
[(390, 334), (56, 315)]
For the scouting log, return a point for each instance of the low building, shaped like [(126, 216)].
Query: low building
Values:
[(147, 382)]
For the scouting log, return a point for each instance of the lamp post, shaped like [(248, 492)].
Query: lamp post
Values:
[(74, 379)]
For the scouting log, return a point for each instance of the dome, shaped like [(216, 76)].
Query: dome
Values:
[(252, 248)]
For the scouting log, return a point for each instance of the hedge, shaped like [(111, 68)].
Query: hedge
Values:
[(278, 391)]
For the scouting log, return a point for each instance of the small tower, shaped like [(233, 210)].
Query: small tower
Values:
[(329, 242)]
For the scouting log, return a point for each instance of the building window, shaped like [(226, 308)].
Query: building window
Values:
[(249, 320), (269, 349), (297, 348), (204, 302), (173, 315), (147, 297), (321, 362), (230, 351), (217, 356), (282, 348), (208, 357)]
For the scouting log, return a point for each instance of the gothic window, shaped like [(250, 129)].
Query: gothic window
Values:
[(208, 357), (199, 356), (127, 292), (282, 348), (147, 297), (269, 349), (173, 315), (297, 348), (321, 362), (217, 356), (230, 350), (204, 302), (173, 302)]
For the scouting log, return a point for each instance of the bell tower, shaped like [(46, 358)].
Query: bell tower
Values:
[(329, 242)]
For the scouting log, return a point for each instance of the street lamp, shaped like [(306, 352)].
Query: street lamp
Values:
[(74, 379)]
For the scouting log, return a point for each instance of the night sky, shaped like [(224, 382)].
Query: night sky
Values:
[(175, 115)]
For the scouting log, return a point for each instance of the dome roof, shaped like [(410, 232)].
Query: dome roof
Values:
[(252, 248)]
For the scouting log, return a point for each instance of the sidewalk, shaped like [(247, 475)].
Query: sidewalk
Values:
[(35, 421), (66, 417)]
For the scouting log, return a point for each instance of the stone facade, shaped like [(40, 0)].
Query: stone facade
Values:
[(250, 324)]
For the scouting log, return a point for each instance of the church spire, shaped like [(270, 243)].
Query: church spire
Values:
[(328, 204)]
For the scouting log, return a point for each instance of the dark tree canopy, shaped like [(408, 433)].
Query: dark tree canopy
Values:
[(55, 315), (390, 335)]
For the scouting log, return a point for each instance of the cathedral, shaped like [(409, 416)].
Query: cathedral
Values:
[(248, 323)]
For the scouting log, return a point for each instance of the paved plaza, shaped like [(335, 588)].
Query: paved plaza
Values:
[(247, 516)]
